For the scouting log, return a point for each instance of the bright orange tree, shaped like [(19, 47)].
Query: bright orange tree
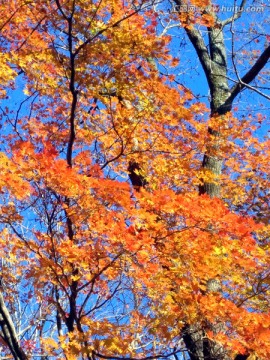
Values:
[(96, 266)]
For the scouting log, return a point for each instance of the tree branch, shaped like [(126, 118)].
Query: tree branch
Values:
[(198, 44), (159, 356), (250, 75), (235, 16)]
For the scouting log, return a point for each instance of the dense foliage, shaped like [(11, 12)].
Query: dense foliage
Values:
[(134, 216)]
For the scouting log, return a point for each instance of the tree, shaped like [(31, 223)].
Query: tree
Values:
[(213, 57), (95, 267)]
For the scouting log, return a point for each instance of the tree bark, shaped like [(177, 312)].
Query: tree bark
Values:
[(8, 332)]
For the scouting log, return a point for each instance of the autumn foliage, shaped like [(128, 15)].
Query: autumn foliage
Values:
[(92, 265)]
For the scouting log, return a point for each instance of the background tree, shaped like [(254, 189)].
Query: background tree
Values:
[(91, 268)]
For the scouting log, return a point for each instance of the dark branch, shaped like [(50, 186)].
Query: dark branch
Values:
[(250, 75), (241, 357), (198, 44), (135, 176), (159, 356)]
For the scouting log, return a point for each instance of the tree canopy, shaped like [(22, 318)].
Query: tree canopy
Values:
[(134, 183)]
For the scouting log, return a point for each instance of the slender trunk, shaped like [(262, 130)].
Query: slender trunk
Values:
[(8, 332)]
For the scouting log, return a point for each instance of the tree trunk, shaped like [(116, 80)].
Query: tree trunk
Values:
[(214, 64), (219, 90), (8, 332)]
